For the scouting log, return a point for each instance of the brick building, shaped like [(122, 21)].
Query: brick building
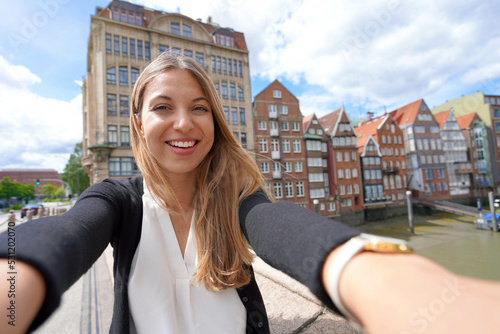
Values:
[(279, 139), (389, 138), (344, 157), (427, 172), (317, 142), (124, 37)]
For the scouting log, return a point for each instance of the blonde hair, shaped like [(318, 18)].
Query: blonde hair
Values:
[(225, 176)]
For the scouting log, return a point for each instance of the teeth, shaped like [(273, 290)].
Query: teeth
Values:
[(182, 144)]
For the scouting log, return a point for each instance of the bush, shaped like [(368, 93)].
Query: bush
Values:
[(14, 207)]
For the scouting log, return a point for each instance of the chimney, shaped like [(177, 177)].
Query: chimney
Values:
[(209, 21), (370, 115)]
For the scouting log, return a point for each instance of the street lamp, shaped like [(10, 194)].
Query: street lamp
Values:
[(316, 205), (410, 211)]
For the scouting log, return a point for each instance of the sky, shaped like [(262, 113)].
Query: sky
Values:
[(371, 55)]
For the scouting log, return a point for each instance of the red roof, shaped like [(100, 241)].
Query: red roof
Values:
[(328, 121), (306, 120), (366, 129), (406, 114), (465, 121), (442, 117)]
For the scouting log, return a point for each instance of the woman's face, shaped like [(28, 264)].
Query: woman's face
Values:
[(177, 122)]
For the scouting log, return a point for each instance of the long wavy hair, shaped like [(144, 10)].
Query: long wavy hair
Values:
[(225, 176)]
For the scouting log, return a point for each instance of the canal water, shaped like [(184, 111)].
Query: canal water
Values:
[(450, 240)]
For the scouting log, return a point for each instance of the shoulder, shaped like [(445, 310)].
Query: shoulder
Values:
[(116, 190)]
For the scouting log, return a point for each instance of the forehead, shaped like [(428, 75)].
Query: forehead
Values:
[(174, 81)]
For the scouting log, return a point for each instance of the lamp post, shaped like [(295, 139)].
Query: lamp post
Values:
[(410, 211), (316, 205)]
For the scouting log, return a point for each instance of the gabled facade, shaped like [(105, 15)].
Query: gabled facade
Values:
[(478, 153), (427, 172), (345, 161), (123, 40), (389, 137), (455, 152), (316, 143), (279, 138), (371, 167)]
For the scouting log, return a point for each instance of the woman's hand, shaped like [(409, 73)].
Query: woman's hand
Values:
[(406, 293), (22, 292)]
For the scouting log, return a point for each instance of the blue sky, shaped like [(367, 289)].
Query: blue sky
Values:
[(367, 55)]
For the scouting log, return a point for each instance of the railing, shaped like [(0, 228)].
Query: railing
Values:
[(274, 132), (276, 175), (390, 170), (273, 114), (275, 155)]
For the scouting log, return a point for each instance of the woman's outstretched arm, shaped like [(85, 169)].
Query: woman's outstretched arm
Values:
[(406, 293), (22, 293)]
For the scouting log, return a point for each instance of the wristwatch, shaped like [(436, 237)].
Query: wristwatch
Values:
[(358, 244)]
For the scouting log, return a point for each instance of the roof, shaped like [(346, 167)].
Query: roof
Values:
[(465, 121), (442, 117), (366, 129), (328, 121), (406, 114), (307, 119)]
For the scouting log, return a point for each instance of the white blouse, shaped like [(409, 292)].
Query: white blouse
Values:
[(161, 296)]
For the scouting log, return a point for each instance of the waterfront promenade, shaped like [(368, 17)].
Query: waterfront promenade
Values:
[(448, 239)]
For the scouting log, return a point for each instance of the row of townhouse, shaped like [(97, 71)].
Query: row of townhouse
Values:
[(328, 165)]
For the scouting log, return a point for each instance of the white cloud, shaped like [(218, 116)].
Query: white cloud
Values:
[(36, 131)]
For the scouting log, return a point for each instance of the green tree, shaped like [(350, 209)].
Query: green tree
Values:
[(10, 189), (74, 174)]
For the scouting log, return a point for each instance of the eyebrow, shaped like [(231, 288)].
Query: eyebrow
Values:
[(165, 97)]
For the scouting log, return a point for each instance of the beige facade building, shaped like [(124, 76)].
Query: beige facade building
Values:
[(124, 38)]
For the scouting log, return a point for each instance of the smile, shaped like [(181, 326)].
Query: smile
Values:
[(182, 144)]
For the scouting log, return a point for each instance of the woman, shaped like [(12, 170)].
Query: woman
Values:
[(182, 234)]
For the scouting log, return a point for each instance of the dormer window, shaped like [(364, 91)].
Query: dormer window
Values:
[(277, 94)]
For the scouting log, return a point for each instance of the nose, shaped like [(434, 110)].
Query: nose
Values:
[(183, 121)]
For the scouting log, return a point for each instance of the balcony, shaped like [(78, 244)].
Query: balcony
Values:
[(464, 167), (274, 132), (390, 170), (276, 175), (275, 155), (273, 114)]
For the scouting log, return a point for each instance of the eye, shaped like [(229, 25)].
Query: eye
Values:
[(201, 108), (160, 108)]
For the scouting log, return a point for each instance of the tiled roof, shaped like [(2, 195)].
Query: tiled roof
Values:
[(406, 114), (306, 120), (441, 118), (366, 129), (465, 121), (328, 121)]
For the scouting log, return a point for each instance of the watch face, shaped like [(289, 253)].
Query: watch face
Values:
[(383, 244)]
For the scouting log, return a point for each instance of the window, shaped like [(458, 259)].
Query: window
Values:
[(284, 126), (125, 136), (300, 189), (264, 167), (331, 206), (224, 65), (134, 75), (123, 76), (356, 188), (139, 49), (295, 126), (241, 68), (288, 189), (346, 156), (317, 193), (298, 167), (226, 113), (186, 30), (188, 53), (219, 69), (200, 58), (147, 51), (339, 156), (112, 135), (232, 90), (235, 67), (286, 145), (347, 173), (287, 167), (132, 48), (340, 173), (224, 89), (230, 66), (278, 190), (354, 172), (263, 147), (262, 125), (277, 94), (108, 43), (122, 166), (111, 104), (296, 146), (428, 174), (124, 46), (124, 105), (175, 28), (111, 76), (214, 68), (342, 189), (242, 116), (117, 45), (234, 115), (241, 96), (353, 156), (283, 110)]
